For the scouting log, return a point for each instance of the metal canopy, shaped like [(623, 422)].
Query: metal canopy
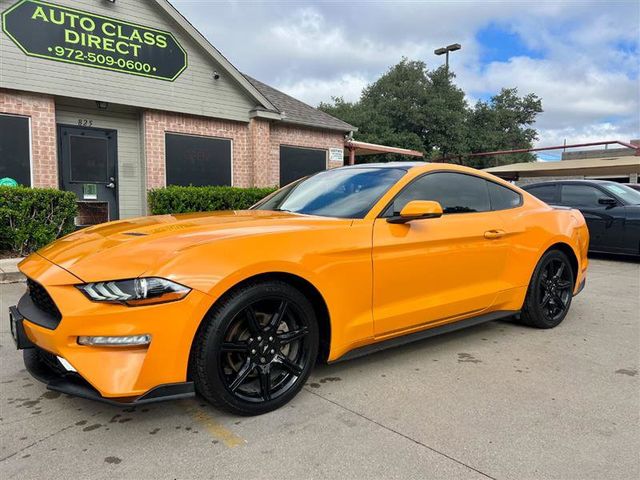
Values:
[(355, 147)]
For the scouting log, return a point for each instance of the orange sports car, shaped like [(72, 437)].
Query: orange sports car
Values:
[(239, 305)]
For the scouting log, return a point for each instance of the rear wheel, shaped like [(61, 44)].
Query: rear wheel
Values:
[(550, 291), (256, 349)]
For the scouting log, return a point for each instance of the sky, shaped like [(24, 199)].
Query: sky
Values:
[(581, 57)]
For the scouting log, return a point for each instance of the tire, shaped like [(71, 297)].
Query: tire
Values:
[(550, 291), (255, 349)]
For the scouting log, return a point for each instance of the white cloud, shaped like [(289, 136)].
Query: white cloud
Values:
[(347, 86), (587, 76)]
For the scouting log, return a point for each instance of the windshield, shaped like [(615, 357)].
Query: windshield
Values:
[(342, 193), (628, 194)]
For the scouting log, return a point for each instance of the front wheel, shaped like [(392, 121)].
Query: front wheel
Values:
[(256, 348), (550, 291)]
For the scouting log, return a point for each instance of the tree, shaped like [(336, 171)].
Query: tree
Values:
[(412, 107), (445, 116), (503, 123)]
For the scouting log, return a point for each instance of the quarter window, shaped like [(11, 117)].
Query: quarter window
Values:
[(15, 159), (197, 161), (456, 193), (503, 198)]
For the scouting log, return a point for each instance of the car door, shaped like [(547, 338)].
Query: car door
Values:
[(429, 270), (605, 221)]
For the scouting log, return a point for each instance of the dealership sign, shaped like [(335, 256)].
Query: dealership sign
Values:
[(68, 35)]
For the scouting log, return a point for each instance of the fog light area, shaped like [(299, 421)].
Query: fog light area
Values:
[(122, 341)]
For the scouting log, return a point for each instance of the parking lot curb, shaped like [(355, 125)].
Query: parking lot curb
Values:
[(11, 277), (9, 272)]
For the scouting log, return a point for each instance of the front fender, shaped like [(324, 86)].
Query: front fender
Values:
[(336, 262)]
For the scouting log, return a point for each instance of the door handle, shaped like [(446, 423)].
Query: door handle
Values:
[(110, 185), (493, 234)]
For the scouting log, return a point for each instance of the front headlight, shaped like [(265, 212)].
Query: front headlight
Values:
[(136, 291)]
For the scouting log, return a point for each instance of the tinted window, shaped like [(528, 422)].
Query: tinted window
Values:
[(581, 196), (546, 193), (296, 163), (197, 161), (14, 149), (456, 193), (344, 193), (502, 197), (88, 159)]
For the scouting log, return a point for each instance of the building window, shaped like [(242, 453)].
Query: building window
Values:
[(197, 161), (296, 162), (15, 149)]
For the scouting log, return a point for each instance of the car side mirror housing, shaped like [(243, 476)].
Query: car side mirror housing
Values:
[(610, 202), (417, 210)]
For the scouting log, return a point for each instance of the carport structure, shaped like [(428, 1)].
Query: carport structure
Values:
[(355, 147)]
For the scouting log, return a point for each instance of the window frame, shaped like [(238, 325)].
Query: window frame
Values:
[(212, 137), (390, 202), (30, 136), (288, 145)]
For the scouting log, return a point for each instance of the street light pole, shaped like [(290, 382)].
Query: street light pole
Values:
[(445, 51)]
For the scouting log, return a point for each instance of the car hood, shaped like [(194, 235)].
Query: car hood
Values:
[(129, 248)]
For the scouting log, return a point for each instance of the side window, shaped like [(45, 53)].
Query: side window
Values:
[(581, 196), (456, 192), (503, 198), (546, 193)]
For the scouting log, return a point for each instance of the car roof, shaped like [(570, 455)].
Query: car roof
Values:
[(577, 181)]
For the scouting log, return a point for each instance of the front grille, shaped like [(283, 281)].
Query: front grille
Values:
[(42, 299)]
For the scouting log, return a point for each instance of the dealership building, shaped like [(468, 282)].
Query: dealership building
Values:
[(109, 99)]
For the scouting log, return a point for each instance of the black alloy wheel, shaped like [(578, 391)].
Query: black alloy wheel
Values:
[(555, 290), (550, 291), (256, 349)]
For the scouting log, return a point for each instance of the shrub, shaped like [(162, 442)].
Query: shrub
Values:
[(203, 199), (30, 218)]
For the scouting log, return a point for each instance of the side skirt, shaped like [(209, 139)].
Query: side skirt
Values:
[(422, 334)]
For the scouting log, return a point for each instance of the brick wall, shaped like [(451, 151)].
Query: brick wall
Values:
[(299, 137), (42, 111), (156, 124), (256, 146), (259, 137)]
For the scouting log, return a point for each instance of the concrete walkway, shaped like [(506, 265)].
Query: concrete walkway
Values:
[(9, 272)]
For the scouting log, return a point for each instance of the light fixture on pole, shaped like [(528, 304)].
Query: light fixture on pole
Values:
[(445, 51)]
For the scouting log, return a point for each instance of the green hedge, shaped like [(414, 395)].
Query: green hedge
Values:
[(203, 199), (30, 218)]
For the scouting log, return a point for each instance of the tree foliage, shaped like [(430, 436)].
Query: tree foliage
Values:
[(412, 107)]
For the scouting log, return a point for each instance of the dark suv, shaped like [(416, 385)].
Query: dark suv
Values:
[(612, 211)]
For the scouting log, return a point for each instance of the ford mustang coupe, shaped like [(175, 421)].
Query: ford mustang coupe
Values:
[(239, 305)]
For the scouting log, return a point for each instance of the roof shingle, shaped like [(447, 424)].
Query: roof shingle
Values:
[(299, 112)]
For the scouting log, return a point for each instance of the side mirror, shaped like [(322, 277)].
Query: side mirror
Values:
[(417, 210), (610, 202)]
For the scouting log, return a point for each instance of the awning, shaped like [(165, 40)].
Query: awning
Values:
[(355, 147), (586, 166)]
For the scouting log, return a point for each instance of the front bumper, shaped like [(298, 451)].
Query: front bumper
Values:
[(124, 374), (41, 366)]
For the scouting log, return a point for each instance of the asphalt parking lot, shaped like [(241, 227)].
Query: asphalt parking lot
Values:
[(495, 401)]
